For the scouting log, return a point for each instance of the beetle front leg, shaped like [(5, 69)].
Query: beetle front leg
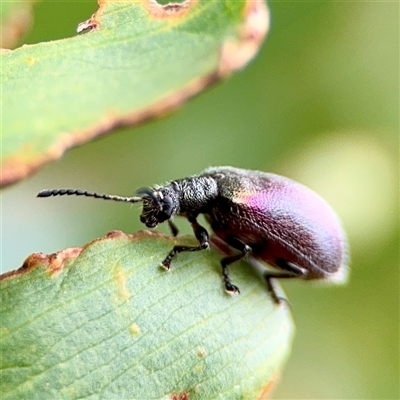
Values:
[(174, 229), (201, 235)]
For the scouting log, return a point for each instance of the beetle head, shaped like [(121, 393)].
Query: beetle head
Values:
[(158, 206)]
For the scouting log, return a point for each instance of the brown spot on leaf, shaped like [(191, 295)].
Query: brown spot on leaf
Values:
[(171, 10), (53, 262), (180, 396), (116, 234), (58, 259), (201, 352), (30, 61), (33, 260)]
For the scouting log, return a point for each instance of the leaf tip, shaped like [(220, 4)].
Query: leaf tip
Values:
[(235, 54)]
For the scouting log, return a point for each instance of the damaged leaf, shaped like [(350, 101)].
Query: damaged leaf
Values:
[(135, 60), (106, 321)]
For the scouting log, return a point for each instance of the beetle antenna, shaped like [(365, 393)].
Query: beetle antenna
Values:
[(78, 192)]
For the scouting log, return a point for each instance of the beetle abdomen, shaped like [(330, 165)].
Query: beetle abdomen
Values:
[(281, 219)]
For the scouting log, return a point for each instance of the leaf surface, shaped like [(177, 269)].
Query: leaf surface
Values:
[(106, 321), (138, 61)]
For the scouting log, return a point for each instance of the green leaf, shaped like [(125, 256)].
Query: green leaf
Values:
[(107, 322), (139, 60)]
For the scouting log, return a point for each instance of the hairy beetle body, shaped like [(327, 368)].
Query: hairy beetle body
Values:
[(272, 218)]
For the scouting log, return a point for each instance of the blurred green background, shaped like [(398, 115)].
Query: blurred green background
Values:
[(319, 104)]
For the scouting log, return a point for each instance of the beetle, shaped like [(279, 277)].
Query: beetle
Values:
[(273, 219)]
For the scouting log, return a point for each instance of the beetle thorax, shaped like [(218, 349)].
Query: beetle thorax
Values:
[(195, 194)]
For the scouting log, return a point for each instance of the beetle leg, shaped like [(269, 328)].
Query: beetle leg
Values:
[(244, 249), (173, 227), (293, 271), (201, 235)]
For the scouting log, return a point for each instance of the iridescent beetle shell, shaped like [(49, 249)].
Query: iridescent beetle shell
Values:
[(279, 219)]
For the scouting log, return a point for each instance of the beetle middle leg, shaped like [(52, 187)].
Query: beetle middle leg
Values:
[(292, 271), (201, 235), (244, 250)]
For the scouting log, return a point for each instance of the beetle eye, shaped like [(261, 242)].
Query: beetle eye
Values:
[(167, 209)]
